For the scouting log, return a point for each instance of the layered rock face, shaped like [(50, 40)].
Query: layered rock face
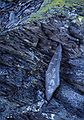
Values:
[(26, 50)]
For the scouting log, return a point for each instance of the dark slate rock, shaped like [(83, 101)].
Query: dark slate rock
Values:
[(25, 53), (74, 74), (73, 99), (16, 12), (75, 31)]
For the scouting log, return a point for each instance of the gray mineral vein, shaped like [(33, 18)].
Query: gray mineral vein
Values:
[(52, 74)]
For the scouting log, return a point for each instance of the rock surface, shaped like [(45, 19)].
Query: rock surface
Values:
[(25, 53), (53, 73)]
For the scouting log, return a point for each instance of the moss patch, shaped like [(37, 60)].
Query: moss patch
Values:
[(48, 5)]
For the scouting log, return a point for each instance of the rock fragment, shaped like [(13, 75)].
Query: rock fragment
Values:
[(53, 73)]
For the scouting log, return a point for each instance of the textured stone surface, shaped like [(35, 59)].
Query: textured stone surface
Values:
[(53, 73), (25, 53)]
